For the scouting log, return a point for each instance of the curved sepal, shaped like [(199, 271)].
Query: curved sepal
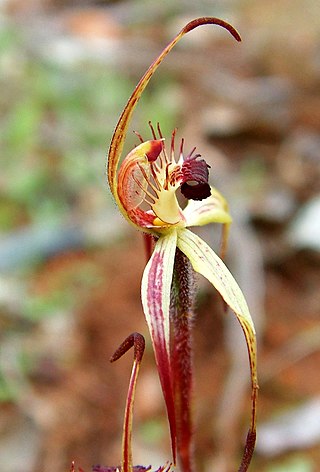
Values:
[(207, 263), (155, 295)]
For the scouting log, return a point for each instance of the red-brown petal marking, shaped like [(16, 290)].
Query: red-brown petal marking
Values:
[(155, 296), (154, 299), (133, 175)]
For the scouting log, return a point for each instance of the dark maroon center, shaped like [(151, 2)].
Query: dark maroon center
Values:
[(195, 176)]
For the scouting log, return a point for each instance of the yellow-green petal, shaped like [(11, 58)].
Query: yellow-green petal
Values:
[(213, 209), (207, 263)]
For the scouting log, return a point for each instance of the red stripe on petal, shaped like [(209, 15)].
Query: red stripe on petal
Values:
[(154, 298), (155, 294)]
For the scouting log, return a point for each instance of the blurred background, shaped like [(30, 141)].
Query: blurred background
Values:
[(70, 267)]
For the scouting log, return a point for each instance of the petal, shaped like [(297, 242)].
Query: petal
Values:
[(155, 295), (120, 132), (213, 209), (207, 263), (133, 183)]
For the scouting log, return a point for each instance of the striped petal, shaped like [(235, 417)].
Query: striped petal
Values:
[(155, 295), (207, 263)]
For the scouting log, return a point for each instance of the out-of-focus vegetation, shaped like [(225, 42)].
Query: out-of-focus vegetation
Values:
[(69, 269), (56, 123)]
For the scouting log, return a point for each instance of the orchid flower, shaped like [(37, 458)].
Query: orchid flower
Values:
[(145, 189)]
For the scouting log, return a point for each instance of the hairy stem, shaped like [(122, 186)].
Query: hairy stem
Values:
[(181, 311), (136, 341)]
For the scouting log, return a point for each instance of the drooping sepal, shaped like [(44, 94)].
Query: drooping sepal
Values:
[(155, 295), (207, 263)]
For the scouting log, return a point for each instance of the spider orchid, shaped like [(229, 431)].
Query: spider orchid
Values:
[(145, 189)]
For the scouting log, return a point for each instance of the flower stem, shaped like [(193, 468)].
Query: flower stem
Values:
[(181, 311), (136, 341)]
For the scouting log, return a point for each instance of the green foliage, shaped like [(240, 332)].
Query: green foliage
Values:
[(7, 391), (152, 431), (297, 463)]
